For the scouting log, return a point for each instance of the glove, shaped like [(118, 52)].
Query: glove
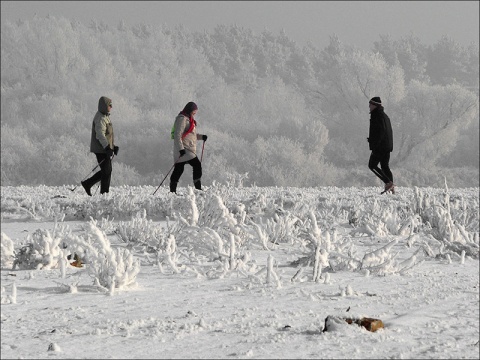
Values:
[(109, 151), (182, 152), (115, 150), (204, 137)]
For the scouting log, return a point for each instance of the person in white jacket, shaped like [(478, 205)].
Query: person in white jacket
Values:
[(185, 146)]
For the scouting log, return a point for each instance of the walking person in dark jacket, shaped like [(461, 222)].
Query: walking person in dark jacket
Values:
[(380, 140), (102, 145), (185, 146)]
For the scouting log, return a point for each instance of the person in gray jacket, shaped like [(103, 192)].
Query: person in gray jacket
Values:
[(185, 146), (102, 145)]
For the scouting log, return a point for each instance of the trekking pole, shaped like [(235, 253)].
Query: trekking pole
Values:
[(201, 157), (166, 176), (88, 174)]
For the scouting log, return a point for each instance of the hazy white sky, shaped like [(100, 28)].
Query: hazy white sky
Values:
[(356, 23)]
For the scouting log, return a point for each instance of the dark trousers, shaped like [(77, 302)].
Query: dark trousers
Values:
[(104, 175), (383, 172), (178, 171)]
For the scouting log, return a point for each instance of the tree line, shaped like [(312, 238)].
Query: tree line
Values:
[(284, 114)]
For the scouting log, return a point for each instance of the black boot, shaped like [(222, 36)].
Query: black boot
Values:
[(173, 187), (198, 184), (87, 188)]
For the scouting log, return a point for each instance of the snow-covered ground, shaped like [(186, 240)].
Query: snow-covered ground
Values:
[(240, 273)]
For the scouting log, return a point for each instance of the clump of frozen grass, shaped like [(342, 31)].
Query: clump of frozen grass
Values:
[(279, 229), (444, 223), (206, 234), (45, 203), (216, 215), (208, 239), (379, 256), (141, 233), (9, 298), (205, 224), (7, 252), (325, 251), (257, 205), (199, 244), (44, 250), (110, 268), (186, 209), (382, 261)]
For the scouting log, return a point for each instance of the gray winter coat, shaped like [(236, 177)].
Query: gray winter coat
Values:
[(189, 142), (102, 129)]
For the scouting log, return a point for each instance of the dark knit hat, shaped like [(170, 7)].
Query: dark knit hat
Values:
[(375, 101), (189, 108)]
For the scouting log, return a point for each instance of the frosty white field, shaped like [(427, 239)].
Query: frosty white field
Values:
[(239, 273)]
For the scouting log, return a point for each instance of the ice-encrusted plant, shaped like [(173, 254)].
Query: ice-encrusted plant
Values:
[(44, 249), (7, 252), (110, 268), (279, 229), (445, 223), (206, 232), (141, 233), (328, 252)]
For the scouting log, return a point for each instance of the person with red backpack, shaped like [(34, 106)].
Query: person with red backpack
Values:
[(184, 134)]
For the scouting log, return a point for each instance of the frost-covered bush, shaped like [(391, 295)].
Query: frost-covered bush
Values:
[(382, 261), (7, 298), (43, 250), (279, 229), (141, 233), (448, 222), (206, 231), (325, 251), (7, 251), (210, 234), (216, 215), (111, 268), (50, 203)]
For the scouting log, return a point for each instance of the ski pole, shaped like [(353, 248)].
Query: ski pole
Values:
[(166, 176), (88, 174), (201, 157)]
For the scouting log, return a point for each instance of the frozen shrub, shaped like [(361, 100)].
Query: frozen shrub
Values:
[(110, 268), (43, 252), (141, 233), (215, 215), (26, 259), (8, 252), (444, 219), (283, 229)]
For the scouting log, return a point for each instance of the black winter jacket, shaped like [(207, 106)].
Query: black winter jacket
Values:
[(380, 136)]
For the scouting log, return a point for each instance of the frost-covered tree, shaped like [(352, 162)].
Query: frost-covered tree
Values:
[(349, 79), (407, 52), (245, 84), (433, 117)]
